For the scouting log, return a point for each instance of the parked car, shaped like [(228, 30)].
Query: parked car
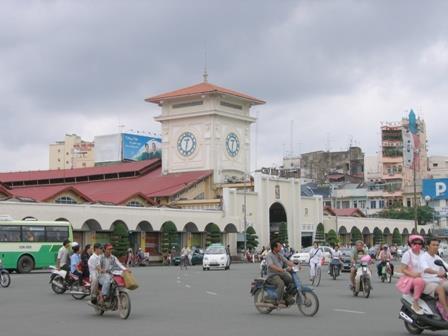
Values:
[(443, 250), (196, 257), (216, 256), (401, 250), (303, 256), (346, 259)]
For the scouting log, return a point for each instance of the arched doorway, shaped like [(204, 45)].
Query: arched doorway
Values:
[(213, 234), (405, 236), (387, 237), (343, 235), (88, 232), (191, 236), (366, 236), (377, 236), (145, 238), (278, 223)]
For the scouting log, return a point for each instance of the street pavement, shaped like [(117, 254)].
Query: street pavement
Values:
[(193, 302)]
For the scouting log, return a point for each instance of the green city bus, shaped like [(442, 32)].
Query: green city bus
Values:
[(30, 244)]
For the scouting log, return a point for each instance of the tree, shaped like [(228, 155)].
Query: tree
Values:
[(396, 237), (283, 233), (169, 236), (213, 234), (332, 238), (356, 234), (320, 233), (120, 239), (425, 214), (251, 238)]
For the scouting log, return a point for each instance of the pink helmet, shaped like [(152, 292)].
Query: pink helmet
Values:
[(366, 259), (415, 237)]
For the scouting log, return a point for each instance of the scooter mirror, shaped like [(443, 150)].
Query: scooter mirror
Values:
[(439, 263)]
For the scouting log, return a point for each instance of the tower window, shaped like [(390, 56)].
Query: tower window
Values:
[(188, 104), (234, 106)]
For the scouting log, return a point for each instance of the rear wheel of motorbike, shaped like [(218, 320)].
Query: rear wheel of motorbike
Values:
[(5, 279), (258, 298), (390, 277), (76, 288), (383, 278), (308, 303), (412, 329), (124, 307), (57, 285), (366, 287), (25, 264)]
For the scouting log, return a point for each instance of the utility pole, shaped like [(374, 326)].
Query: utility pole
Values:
[(415, 190), (245, 217)]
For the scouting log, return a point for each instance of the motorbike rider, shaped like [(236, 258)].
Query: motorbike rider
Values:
[(359, 251), (316, 255), (75, 261), (94, 270), (383, 256), (277, 274), (412, 266), (62, 261), (85, 255), (336, 256), (108, 263), (435, 276)]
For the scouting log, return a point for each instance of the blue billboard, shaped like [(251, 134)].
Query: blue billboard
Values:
[(437, 189), (140, 147)]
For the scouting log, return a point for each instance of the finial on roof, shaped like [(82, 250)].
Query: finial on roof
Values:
[(205, 75)]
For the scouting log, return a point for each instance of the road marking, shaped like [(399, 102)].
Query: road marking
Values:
[(211, 293), (178, 281), (349, 311), (188, 286)]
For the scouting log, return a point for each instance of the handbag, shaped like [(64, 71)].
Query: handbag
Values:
[(129, 281), (404, 283)]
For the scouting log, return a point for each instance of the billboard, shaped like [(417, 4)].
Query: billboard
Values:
[(437, 189), (107, 148), (141, 147)]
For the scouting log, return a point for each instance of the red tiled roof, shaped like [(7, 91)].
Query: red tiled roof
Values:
[(200, 88), (5, 191), (347, 212), (76, 172), (117, 191)]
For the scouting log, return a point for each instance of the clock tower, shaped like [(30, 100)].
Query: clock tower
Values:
[(206, 127)]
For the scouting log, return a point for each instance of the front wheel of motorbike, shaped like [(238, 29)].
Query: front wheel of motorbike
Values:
[(412, 329), (366, 287), (334, 273), (5, 279), (258, 298), (124, 305), (58, 285), (308, 303)]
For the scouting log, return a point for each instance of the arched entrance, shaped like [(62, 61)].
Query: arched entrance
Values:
[(191, 236), (377, 236), (366, 236), (231, 239), (213, 234), (278, 223), (343, 235), (405, 236), (145, 238), (88, 232), (387, 236)]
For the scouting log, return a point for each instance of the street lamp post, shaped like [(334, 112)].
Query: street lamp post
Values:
[(245, 216), (415, 190)]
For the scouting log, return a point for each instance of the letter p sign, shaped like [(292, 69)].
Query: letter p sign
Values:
[(440, 188)]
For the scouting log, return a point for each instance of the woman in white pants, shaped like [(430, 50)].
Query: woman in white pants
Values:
[(316, 256)]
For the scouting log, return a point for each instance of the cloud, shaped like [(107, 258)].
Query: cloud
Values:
[(336, 68)]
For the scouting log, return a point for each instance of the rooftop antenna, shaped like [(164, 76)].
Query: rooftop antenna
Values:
[(205, 75), (121, 128), (291, 145)]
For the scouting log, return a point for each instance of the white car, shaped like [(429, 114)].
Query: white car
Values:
[(303, 257), (215, 256), (443, 250)]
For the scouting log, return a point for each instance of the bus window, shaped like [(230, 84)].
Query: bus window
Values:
[(56, 233), (33, 233), (9, 233)]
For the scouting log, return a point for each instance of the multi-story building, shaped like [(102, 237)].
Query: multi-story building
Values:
[(324, 166), (438, 167), (71, 153), (403, 159)]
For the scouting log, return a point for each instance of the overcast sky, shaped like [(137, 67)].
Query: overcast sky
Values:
[(337, 68)]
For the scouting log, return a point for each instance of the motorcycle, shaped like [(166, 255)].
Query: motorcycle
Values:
[(263, 268), (265, 296), (386, 272), (118, 299), (431, 318), (5, 278), (363, 278), (335, 268), (60, 283)]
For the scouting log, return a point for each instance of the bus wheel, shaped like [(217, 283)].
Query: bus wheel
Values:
[(25, 264)]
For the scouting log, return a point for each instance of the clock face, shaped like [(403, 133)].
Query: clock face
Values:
[(232, 144), (186, 144)]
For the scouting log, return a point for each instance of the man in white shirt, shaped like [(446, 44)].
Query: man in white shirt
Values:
[(434, 276), (94, 269), (316, 256)]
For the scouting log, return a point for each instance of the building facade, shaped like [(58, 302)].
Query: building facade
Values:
[(72, 152)]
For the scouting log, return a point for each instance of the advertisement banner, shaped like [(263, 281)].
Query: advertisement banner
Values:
[(141, 147), (107, 148), (437, 189)]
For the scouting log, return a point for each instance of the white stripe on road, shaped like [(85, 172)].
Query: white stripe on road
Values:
[(211, 293), (349, 311), (188, 286), (178, 281)]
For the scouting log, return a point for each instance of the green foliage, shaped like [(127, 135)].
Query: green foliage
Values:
[(120, 239), (377, 236), (283, 233), (356, 234), (320, 233), (332, 238), (169, 237), (213, 234), (251, 238), (396, 237), (425, 214)]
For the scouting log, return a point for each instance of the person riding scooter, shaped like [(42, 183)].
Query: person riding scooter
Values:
[(108, 263), (383, 256)]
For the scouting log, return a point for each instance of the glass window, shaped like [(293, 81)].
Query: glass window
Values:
[(306, 211), (345, 204), (381, 204), (33, 233), (56, 233), (65, 200), (372, 204), (9, 233), (135, 204), (362, 204), (355, 204)]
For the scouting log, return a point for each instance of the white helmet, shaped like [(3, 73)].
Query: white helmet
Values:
[(74, 244)]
